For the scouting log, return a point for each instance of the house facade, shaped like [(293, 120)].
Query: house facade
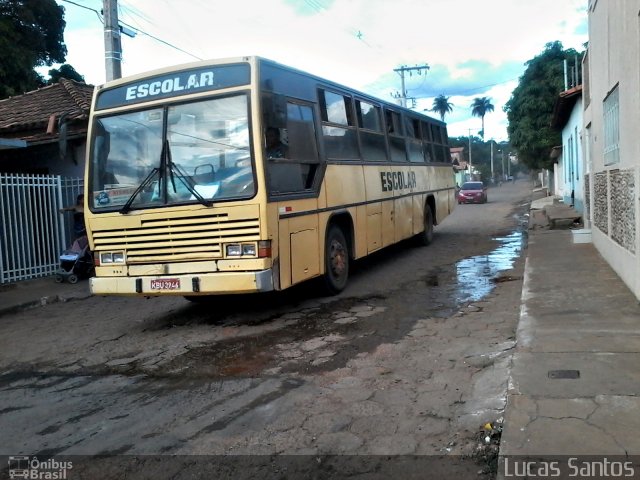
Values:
[(44, 131), (569, 170), (557, 181), (611, 142), (42, 156), (459, 165)]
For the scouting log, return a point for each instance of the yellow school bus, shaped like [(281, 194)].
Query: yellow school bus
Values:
[(244, 175)]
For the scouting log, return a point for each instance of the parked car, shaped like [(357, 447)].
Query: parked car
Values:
[(472, 192)]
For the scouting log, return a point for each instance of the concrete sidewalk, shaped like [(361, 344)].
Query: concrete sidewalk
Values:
[(19, 296), (575, 377)]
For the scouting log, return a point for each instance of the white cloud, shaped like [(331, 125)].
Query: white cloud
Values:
[(354, 42)]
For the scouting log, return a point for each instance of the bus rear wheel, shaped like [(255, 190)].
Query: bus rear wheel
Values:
[(336, 261), (426, 236)]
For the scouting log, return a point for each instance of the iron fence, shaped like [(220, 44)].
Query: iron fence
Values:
[(33, 232)]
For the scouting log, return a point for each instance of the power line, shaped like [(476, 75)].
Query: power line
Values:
[(316, 5), (401, 71), (160, 40), (132, 11), (137, 30), (86, 8)]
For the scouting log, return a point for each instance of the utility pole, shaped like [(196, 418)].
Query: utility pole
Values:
[(470, 169), (401, 71), (112, 45), (492, 178)]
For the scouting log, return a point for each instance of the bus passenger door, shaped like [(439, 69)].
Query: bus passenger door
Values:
[(293, 170)]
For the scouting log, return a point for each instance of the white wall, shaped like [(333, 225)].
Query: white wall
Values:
[(558, 179), (614, 61), (572, 168)]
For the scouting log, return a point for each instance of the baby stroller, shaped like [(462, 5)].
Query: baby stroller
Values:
[(76, 262)]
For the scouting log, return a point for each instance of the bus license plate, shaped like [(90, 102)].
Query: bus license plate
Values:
[(165, 284)]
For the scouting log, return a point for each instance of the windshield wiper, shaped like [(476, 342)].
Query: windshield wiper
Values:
[(126, 208), (166, 166), (172, 167)]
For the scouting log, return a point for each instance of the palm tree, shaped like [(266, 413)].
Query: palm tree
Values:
[(441, 105), (479, 108)]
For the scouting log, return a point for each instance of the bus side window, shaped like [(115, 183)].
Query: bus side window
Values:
[(371, 132), (414, 141), (339, 132), (295, 171), (397, 144)]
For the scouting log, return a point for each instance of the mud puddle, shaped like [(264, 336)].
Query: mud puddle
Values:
[(325, 336), (476, 277), (312, 337)]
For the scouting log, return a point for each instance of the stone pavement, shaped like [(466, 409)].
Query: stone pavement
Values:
[(575, 379)]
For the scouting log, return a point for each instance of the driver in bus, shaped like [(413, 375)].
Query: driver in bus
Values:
[(275, 147)]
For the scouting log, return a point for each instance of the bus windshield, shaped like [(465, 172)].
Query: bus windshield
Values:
[(178, 154)]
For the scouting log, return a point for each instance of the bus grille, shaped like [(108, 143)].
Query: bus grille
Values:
[(178, 239)]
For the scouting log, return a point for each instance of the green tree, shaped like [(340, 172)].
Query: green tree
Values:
[(481, 153), (479, 108), (441, 105), (31, 35), (65, 71), (530, 108)]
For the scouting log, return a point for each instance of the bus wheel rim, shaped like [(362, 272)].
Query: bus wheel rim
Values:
[(338, 258)]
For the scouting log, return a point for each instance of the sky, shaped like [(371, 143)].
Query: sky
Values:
[(473, 48)]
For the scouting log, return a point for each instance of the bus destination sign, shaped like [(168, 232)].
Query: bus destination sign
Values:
[(174, 84)]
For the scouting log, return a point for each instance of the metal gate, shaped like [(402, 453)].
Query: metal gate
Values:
[(33, 231)]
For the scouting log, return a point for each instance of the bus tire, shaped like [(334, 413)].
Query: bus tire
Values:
[(336, 261), (426, 236)]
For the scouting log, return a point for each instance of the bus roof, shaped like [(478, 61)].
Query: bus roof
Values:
[(253, 60)]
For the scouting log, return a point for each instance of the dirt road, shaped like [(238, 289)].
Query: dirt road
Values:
[(410, 361)]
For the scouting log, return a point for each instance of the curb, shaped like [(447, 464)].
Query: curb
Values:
[(41, 302)]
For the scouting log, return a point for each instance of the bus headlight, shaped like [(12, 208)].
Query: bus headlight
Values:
[(240, 250), (249, 249), (107, 258), (234, 250)]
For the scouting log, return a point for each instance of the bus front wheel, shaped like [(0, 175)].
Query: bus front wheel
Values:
[(336, 261), (426, 236)]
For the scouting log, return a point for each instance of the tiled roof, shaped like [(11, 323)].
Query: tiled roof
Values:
[(564, 105), (28, 115)]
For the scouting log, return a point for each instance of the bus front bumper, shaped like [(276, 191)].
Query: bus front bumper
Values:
[(219, 283)]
